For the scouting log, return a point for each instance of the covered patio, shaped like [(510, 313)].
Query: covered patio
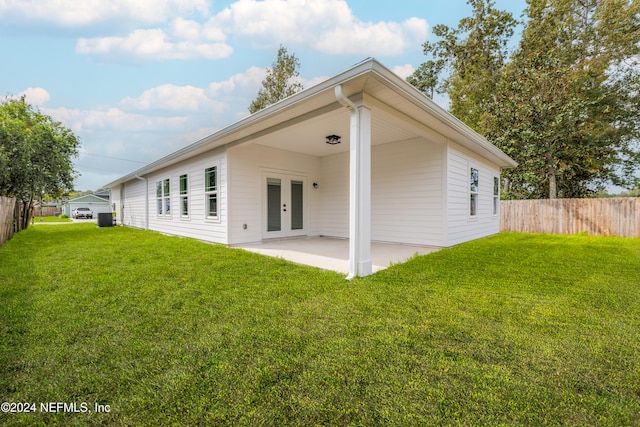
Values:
[(333, 254)]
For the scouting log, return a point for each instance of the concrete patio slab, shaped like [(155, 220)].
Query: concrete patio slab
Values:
[(333, 254)]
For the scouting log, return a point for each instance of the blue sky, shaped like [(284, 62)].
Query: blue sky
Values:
[(137, 80)]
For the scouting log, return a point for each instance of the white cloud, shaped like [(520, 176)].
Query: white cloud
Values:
[(403, 71), (215, 98), (328, 26), (153, 44), (174, 98), (36, 96), (249, 81), (185, 29), (84, 13), (118, 119), (192, 30), (112, 118), (382, 38)]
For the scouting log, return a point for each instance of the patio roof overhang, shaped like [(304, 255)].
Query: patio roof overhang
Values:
[(302, 121)]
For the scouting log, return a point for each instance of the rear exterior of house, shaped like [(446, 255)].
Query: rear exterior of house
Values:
[(421, 195), (424, 177)]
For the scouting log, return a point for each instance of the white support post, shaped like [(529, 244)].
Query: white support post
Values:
[(360, 193)]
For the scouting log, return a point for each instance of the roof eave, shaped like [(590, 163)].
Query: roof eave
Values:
[(448, 119), (209, 142), (226, 135)]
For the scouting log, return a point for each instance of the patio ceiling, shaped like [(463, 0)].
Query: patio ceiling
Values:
[(309, 134)]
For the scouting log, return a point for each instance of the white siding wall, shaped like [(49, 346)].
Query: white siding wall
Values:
[(460, 226), (196, 225), (133, 196), (134, 202), (334, 196), (420, 194), (115, 196), (246, 166), (406, 193)]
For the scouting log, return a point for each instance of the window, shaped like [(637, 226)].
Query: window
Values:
[(184, 195), (473, 191), (167, 198), (159, 196), (496, 195), (211, 191), (163, 197)]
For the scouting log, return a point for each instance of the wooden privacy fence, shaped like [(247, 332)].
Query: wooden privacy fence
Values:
[(46, 211), (600, 217), (7, 209)]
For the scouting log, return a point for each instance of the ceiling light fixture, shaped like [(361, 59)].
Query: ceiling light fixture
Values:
[(333, 139)]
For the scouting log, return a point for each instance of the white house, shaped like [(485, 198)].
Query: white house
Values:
[(362, 155), (96, 203)]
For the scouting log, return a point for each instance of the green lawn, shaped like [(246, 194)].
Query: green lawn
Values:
[(38, 219), (510, 330)]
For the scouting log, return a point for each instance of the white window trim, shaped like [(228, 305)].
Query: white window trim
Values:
[(476, 193), (166, 197), (209, 218), (163, 199), (186, 195), (496, 197), (159, 202)]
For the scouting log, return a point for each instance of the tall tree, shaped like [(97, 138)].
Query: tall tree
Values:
[(280, 81), (475, 53), (36, 155), (425, 78), (568, 107), (565, 105)]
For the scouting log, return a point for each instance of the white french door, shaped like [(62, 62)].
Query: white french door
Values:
[(284, 211)]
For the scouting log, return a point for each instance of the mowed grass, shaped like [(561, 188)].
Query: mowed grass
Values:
[(39, 219), (510, 330)]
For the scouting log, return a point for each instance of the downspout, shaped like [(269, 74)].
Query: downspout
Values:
[(346, 102), (146, 204)]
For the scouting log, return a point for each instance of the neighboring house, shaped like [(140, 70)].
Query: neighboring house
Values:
[(91, 201), (362, 155), (103, 194)]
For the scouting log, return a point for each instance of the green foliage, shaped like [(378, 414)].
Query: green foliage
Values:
[(568, 108), (280, 81), (76, 194), (475, 53), (172, 331), (565, 106), (425, 78), (35, 153), (631, 193)]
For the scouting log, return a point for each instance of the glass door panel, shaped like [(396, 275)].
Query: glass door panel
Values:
[(297, 205), (274, 201)]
